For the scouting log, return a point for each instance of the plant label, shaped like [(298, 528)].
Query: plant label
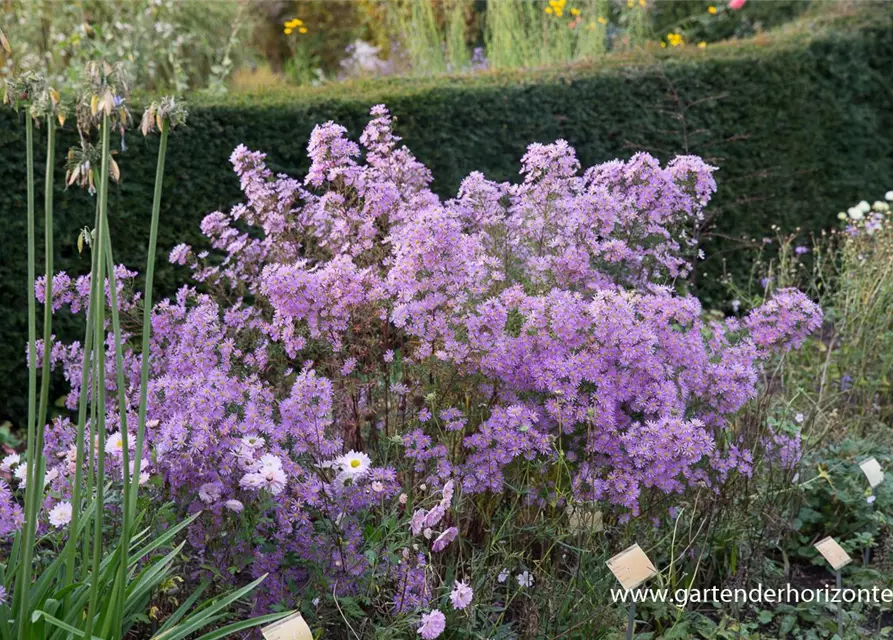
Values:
[(631, 567), (872, 470), (582, 519), (291, 628), (833, 553)]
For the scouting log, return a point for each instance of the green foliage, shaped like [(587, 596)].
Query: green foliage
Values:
[(798, 128), (177, 44)]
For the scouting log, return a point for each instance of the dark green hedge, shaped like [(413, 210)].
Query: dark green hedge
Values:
[(800, 130)]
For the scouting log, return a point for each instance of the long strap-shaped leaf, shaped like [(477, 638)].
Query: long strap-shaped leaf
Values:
[(206, 613)]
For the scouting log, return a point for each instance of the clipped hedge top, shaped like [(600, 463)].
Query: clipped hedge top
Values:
[(824, 20)]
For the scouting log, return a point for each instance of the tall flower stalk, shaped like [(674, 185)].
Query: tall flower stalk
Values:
[(98, 584)]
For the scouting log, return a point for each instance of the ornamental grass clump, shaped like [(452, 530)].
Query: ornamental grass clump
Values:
[(85, 559), (362, 377)]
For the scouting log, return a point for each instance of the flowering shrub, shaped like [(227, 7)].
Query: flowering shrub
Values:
[(525, 335)]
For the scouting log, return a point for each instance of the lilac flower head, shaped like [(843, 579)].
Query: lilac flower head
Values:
[(433, 624)]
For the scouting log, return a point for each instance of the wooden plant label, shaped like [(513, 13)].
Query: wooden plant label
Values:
[(631, 567), (291, 628), (833, 553), (872, 470)]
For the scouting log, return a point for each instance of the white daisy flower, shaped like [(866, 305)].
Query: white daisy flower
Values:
[(268, 474), (10, 461), (889, 196), (21, 474), (353, 464), (503, 576), (114, 446), (60, 515)]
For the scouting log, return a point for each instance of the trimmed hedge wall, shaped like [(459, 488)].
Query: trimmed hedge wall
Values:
[(799, 130)]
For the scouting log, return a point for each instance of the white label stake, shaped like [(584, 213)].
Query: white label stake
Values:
[(291, 628)]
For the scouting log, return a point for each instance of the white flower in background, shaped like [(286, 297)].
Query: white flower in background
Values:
[(315, 602), (377, 486), (888, 196), (864, 207), (503, 576), (21, 474), (114, 446), (144, 475), (842, 215), (50, 475), (856, 213), (880, 205), (209, 492), (799, 418), (10, 461), (60, 515), (870, 499), (268, 474), (249, 444), (353, 464), (525, 579), (234, 505)]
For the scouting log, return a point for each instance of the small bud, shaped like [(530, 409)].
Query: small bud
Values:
[(94, 104), (4, 42), (114, 171)]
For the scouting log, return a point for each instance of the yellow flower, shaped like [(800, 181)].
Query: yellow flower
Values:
[(629, 3), (641, 3), (575, 12), (602, 20), (675, 39), (287, 31), (663, 45), (702, 45), (711, 10), (549, 10), (302, 30)]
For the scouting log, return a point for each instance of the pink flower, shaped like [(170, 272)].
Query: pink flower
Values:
[(444, 539), (433, 624), (734, 5), (461, 595)]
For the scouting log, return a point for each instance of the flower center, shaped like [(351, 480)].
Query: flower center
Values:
[(354, 463)]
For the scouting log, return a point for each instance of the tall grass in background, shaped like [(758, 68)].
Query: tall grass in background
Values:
[(432, 34), (533, 34), (96, 576)]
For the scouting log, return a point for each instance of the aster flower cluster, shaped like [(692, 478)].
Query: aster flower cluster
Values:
[(514, 325)]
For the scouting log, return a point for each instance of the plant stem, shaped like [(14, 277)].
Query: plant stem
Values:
[(83, 400), (113, 622), (36, 462), (147, 306), (99, 342), (24, 569), (47, 317)]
